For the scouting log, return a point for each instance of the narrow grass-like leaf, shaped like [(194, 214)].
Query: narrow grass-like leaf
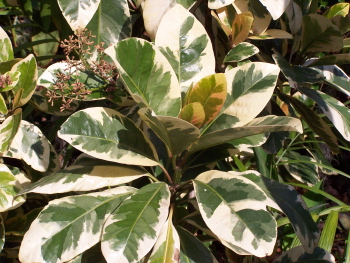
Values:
[(6, 52), (292, 205), (298, 255), (328, 231), (177, 134), (241, 27), (241, 52), (108, 135), (8, 129), (68, 226), (336, 112), (234, 208), (148, 75), (2, 233), (133, 228), (86, 174), (193, 113), (186, 45)]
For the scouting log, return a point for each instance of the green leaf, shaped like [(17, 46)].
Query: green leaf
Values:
[(298, 254), (6, 52), (320, 35), (177, 134), (336, 59), (154, 83), (46, 49), (9, 188), (3, 106), (210, 92), (8, 130), (78, 13), (292, 205), (337, 112), (241, 52), (328, 231), (234, 208), (258, 126), (108, 135), (2, 233), (193, 113), (193, 250), (85, 174), (340, 9), (27, 78), (30, 145), (186, 45), (68, 226), (133, 228), (249, 88)]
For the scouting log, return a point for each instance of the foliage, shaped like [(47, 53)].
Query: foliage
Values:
[(183, 129)]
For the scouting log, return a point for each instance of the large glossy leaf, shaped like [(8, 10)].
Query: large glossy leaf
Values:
[(292, 205), (86, 174), (340, 9), (30, 145), (258, 126), (78, 13), (133, 228), (148, 75), (276, 7), (108, 135), (249, 88), (68, 226), (186, 45), (27, 79), (294, 14), (193, 113), (320, 35), (8, 129), (337, 112), (241, 52), (234, 208), (177, 134), (6, 52), (298, 254), (9, 188), (241, 27)]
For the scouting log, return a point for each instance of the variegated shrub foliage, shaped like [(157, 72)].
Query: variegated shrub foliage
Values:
[(181, 147)]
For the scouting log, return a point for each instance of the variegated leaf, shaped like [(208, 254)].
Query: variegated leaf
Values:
[(86, 174), (234, 208), (241, 27), (298, 254), (167, 247), (108, 135), (78, 13), (272, 34), (193, 113), (133, 228), (286, 199), (68, 226), (295, 15), (6, 52), (186, 45), (30, 145), (210, 92), (249, 89), (276, 7), (336, 111), (177, 134), (148, 75), (8, 129), (9, 188), (260, 125), (241, 52), (216, 4), (27, 79), (243, 144)]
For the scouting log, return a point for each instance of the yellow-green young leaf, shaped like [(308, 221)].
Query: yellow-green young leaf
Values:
[(9, 188), (78, 13), (30, 145), (340, 9), (241, 52), (108, 135), (234, 208), (186, 45), (276, 7), (249, 88), (133, 228), (46, 49), (193, 113), (241, 27), (27, 79), (86, 174), (216, 4), (6, 52), (211, 93), (177, 134), (8, 130), (147, 75), (298, 254), (320, 35), (68, 226), (328, 231)]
